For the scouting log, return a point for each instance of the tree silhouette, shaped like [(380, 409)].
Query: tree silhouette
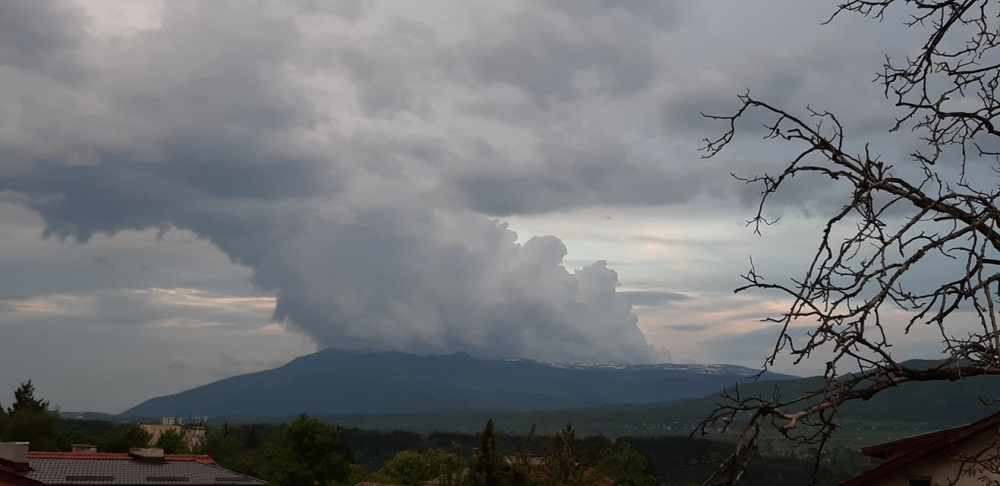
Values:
[(124, 437), (24, 400), (29, 419), (307, 453), (918, 237), (489, 464)]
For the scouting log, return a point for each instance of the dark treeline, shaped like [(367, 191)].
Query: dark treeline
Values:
[(309, 452), (671, 459)]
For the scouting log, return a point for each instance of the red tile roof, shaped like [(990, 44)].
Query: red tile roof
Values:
[(202, 458), (108, 469)]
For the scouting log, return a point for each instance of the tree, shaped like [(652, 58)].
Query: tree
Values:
[(412, 468), (489, 464), (29, 419), (562, 466), (308, 453), (224, 447), (25, 401), (221, 445), (172, 442), (936, 214), (627, 467), (123, 438)]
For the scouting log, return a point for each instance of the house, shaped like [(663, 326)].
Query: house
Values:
[(140, 467), (193, 431), (963, 455)]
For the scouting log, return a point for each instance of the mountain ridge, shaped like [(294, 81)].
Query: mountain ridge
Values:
[(334, 381)]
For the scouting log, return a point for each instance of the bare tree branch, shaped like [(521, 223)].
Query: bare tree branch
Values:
[(897, 218)]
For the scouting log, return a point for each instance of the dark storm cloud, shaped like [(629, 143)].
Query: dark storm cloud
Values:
[(385, 66), (40, 36), (526, 70), (207, 127), (832, 69), (580, 167), (348, 9), (544, 51), (347, 158)]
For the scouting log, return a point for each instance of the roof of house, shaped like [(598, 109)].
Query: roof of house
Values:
[(98, 469), (903, 452)]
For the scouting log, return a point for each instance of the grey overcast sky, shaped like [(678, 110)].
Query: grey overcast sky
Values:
[(191, 190)]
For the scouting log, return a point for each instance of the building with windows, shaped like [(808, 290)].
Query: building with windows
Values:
[(192, 430)]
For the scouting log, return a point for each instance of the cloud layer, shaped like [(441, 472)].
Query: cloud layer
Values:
[(365, 165), (267, 134)]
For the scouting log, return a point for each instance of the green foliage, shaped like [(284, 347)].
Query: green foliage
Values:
[(172, 442), (308, 453), (625, 466), (29, 419), (489, 464), (35, 427), (123, 438), (224, 446), (25, 401), (252, 441), (409, 468), (561, 462), (67, 434)]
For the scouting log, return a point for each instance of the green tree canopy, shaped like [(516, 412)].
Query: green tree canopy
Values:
[(29, 419), (308, 453), (489, 464), (24, 400), (561, 465), (172, 442), (625, 466), (410, 468), (221, 445), (123, 438)]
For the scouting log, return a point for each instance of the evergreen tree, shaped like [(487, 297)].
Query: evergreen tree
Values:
[(562, 465), (24, 400), (29, 419), (252, 442), (489, 465)]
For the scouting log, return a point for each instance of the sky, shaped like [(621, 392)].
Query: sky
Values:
[(193, 190)]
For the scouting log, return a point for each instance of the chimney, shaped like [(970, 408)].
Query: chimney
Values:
[(151, 455), (15, 455), (83, 448)]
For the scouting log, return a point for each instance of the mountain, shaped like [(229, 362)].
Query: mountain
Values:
[(384, 382), (902, 411)]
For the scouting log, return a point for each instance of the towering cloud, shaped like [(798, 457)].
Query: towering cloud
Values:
[(297, 142)]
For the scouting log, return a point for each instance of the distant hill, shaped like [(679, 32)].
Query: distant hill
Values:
[(934, 404), (377, 382), (915, 406), (897, 412)]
